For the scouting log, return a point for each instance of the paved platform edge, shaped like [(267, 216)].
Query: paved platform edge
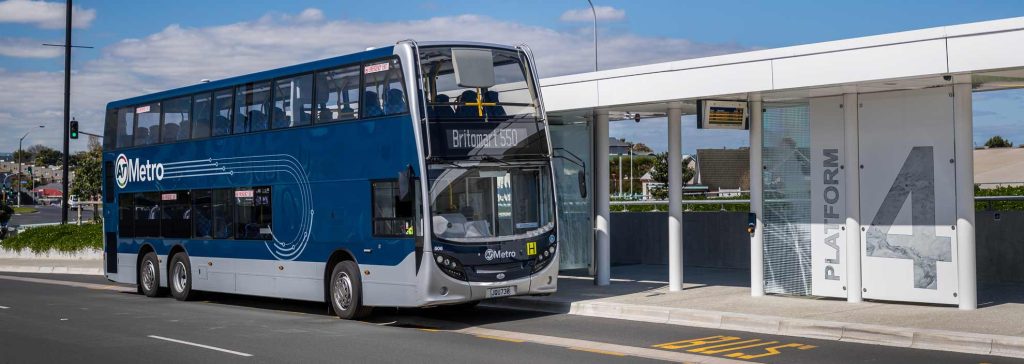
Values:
[(955, 341), (57, 269)]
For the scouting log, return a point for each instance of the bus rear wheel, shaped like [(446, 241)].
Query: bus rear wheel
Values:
[(179, 277), (346, 291), (149, 276)]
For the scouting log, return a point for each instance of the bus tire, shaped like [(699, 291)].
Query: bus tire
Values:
[(346, 291), (149, 275), (179, 277)]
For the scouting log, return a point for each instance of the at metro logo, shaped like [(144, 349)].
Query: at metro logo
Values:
[(127, 170)]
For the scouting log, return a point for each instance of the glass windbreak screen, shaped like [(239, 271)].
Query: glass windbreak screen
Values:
[(510, 98), (479, 203)]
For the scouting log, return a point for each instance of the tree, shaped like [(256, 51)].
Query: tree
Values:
[(660, 173), (46, 156), (22, 155), (88, 177), (998, 142), (641, 148)]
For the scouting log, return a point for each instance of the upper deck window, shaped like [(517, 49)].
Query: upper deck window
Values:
[(293, 101), (125, 126), (147, 124), (510, 98), (201, 119), (222, 112), (383, 90), (177, 121), (337, 94), (252, 106)]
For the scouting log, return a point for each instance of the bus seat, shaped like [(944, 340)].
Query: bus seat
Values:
[(142, 134), (371, 105), (170, 132), (395, 103), (492, 96), (154, 134), (442, 111), (280, 119), (221, 126), (183, 132), (464, 111), (257, 120)]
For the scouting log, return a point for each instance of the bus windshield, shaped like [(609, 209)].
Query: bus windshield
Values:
[(475, 204), (511, 97)]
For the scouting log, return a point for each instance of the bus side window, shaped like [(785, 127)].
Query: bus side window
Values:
[(383, 88), (126, 215), (253, 213), (125, 126), (292, 101), (391, 216), (337, 94), (177, 122), (110, 130), (201, 122), (222, 112)]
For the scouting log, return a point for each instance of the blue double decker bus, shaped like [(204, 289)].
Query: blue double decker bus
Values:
[(413, 175)]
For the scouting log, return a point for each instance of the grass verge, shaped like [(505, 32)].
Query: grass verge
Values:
[(25, 210), (65, 238)]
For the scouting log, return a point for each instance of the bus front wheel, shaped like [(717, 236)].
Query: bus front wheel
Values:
[(346, 291)]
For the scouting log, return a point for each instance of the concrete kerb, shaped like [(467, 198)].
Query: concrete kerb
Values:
[(965, 342)]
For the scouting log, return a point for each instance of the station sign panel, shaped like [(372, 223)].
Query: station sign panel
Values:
[(715, 114)]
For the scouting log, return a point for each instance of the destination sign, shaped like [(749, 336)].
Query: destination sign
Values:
[(469, 139)]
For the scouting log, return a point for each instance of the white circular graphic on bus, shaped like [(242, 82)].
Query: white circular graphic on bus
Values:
[(121, 171)]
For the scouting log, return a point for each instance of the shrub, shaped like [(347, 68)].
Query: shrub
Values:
[(67, 238)]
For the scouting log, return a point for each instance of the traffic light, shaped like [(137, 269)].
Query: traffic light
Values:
[(74, 129)]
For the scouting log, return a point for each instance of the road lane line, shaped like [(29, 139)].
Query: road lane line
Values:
[(585, 345), (596, 351), (108, 287), (500, 338), (239, 353), (4, 307)]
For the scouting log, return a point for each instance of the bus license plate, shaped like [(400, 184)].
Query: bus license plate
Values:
[(501, 291)]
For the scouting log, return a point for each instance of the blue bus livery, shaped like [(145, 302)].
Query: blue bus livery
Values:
[(407, 176)]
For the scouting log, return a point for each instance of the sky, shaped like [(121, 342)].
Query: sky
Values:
[(141, 47)]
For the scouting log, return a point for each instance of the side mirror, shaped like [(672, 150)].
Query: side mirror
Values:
[(582, 182), (473, 67), (405, 184)]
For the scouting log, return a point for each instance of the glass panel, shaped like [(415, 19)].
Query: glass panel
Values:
[(787, 199), (337, 94), (509, 98), (147, 124), (222, 112), (147, 214), (253, 211), (252, 105), (201, 105), (125, 126), (177, 123), (202, 214), (572, 145), (223, 201), (488, 202), (110, 131), (126, 215), (391, 217), (177, 214), (293, 101), (383, 90)]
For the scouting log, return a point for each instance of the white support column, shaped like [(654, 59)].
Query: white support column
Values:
[(963, 140), (756, 175), (602, 175), (853, 274), (675, 198)]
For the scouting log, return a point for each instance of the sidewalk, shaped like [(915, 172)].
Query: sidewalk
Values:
[(720, 298)]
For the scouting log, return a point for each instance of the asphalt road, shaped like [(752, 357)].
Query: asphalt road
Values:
[(49, 214), (70, 318)]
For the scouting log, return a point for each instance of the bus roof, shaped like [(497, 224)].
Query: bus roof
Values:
[(253, 77)]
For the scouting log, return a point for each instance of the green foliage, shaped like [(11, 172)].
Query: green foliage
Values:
[(88, 175), (45, 156), (998, 142), (64, 238), (22, 155), (24, 210), (660, 174), (999, 205), (740, 207)]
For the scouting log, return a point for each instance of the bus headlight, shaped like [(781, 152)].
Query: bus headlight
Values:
[(450, 266)]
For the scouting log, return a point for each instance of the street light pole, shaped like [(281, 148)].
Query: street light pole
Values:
[(594, 12), (20, 178), (67, 111)]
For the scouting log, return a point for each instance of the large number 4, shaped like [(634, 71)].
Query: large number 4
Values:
[(915, 181)]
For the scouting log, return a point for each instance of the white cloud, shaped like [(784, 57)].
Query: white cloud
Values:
[(44, 14), (606, 13), (178, 56), (27, 48)]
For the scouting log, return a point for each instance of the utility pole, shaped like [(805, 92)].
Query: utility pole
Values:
[(67, 112)]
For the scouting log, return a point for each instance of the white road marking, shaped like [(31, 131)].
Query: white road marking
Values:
[(201, 346), (4, 307)]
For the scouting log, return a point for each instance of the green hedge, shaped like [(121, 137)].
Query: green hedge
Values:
[(999, 205), (742, 207), (65, 238)]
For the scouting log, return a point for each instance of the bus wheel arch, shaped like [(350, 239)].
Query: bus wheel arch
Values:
[(342, 265), (336, 257), (179, 274), (149, 262)]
